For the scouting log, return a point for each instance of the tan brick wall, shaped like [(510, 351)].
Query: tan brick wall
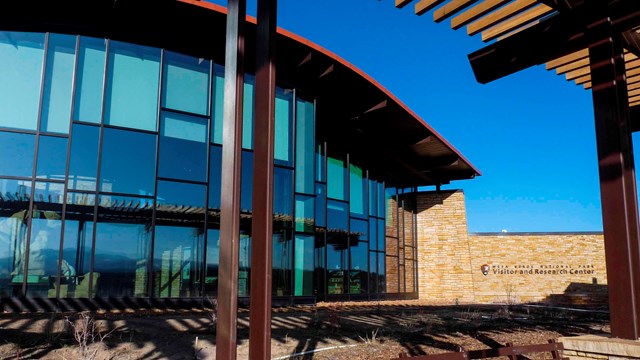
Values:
[(535, 267), (523, 267), (444, 266)]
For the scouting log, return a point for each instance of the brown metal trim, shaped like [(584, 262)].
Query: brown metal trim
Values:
[(262, 220), (226, 330)]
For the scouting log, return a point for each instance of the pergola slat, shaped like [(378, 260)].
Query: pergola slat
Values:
[(425, 5), (633, 93), (635, 103), (583, 79), (633, 64), (476, 12), (572, 66), (572, 75), (516, 22), (633, 80), (633, 72), (402, 3), (633, 86), (500, 15), (451, 8), (578, 55)]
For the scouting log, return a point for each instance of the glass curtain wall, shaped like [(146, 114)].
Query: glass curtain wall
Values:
[(110, 176)]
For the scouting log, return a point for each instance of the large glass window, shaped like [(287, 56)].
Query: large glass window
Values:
[(215, 177), (83, 162), (58, 84), (44, 246), (305, 157), (183, 147), (78, 242), (281, 262), (16, 153), (321, 204), (283, 202), (132, 86), (213, 261), (21, 56), (123, 237), (52, 157), (373, 272), (128, 162), (283, 137), (337, 247), (336, 178), (179, 239), (358, 188), (244, 263), (90, 80), (14, 205), (186, 83), (246, 182), (373, 188), (304, 266), (218, 104), (247, 112), (359, 257), (305, 207)]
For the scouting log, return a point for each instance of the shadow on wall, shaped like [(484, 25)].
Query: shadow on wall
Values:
[(583, 294)]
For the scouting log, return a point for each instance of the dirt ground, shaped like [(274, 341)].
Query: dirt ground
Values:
[(380, 330)]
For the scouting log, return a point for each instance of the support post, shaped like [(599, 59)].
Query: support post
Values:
[(226, 329), (262, 220), (617, 183)]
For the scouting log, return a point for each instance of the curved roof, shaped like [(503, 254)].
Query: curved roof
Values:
[(355, 113)]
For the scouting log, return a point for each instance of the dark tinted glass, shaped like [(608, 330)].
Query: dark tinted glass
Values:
[(183, 147), (373, 201), (373, 272), (78, 242), (128, 162), (283, 201), (213, 260), (320, 268), (215, 177), (359, 253), (304, 265), (373, 234), (382, 285), (16, 154), (52, 157), (357, 190), (281, 263), (246, 183), (177, 259), (337, 216), (321, 204), (83, 162)]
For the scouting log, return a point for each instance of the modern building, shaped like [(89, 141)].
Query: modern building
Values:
[(110, 163)]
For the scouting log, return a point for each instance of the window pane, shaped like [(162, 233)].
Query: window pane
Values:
[(58, 83), (128, 162), (305, 158), (320, 163), (283, 201), (304, 265), (121, 255), (177, 259), (218, 104), (337, 216), (90, 80), (382, 278), (215, 177), (381, 235), (244, 264), (281, 263), (21, 56), (321, 204), (320, 268), (78, 242), (186, 83), (14, 204), (373, 223), (132, 86), (305, 207), (359, 257), (52, 157), (213, 261), (16, 153), (337, 246), (44, 246), (246, 182), (357, 185), (83, 162), (336, 179), (373, 273), (381, 200), (183, 147), (283, 137), (373, 188), (247, 112)]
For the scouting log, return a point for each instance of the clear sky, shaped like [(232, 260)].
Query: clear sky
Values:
[(531, 134)]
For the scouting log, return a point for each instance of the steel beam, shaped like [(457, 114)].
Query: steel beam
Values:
[(262, 220), (226, 329), (617, 182)]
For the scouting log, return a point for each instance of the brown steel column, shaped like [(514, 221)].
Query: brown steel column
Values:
[(262, 221), (617, 184), (226, 329)]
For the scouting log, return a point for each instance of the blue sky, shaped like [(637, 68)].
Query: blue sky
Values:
[(531, 134)]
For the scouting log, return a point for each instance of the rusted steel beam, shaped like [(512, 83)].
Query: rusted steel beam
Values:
[(617, 183), (262, 221), (226, 329)]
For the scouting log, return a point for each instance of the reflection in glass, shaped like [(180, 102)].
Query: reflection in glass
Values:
[(358, 254), (213, 261), (337, 246), (283, 130), (373, 188), (373, 233), (321, 204), (83, 161), (281, 272), (16, 153), (218, 104), (21, 56), (246, 182), (382, 278), (247, 112), (58, 83), (373, 272), (244, 262), (336, 179), (215, 177), (337, 216), (305, 157), (90, 80), (381, 235), (382, 205), (52, 158), (319, 285), (128, 162), (131, 98), (177, 259), (123, 236), (304, 265), (183, 147), (186, 83), (320, 163), (44, 245), (283, 202), (357, 188), (305, 207), (78, 242), (14, 205)]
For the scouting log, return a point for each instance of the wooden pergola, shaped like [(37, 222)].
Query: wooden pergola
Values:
[(596, 44)]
